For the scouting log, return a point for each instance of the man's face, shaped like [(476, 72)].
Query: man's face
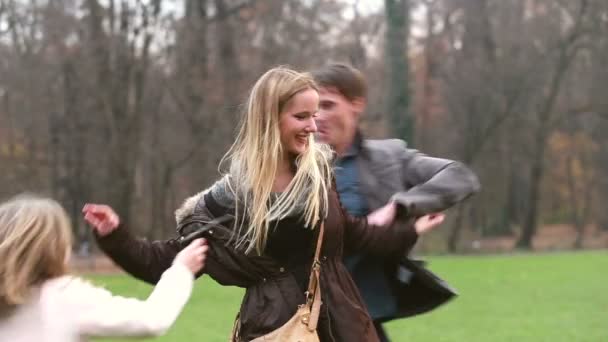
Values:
[(337, 119)]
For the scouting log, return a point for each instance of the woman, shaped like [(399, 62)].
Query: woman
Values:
[(40, 302), (278, 190)]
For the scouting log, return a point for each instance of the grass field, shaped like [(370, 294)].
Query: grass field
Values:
[(546, 297)]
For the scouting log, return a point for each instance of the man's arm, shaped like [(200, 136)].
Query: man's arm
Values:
[(434, 184)]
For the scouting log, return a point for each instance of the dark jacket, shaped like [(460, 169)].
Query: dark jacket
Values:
[(275, 282), (421, 185)]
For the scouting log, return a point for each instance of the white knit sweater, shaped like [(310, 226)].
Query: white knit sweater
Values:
[(69, 309)]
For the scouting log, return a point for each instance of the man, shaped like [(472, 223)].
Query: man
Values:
[(371, 172)]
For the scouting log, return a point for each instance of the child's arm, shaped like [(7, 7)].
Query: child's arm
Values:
[(98, 312)]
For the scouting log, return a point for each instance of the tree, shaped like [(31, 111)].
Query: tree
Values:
[(566, 49), (397, 14)]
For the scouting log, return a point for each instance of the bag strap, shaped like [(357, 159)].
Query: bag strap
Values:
[(320, 242), (316, 263), (313, 294)]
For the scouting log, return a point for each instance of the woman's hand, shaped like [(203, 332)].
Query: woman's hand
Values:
[(383, 216), (102, 217), (428, 222), (386, 215), (193, 256)]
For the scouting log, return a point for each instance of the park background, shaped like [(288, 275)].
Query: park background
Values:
[(134, 102)]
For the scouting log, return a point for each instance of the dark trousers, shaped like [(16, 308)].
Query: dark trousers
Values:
[(380, 331)]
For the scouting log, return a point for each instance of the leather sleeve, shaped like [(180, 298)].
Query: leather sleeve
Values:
[(143, 259), (433, 184)]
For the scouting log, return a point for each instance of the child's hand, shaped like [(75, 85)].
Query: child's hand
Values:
[(193, 256), (103, 218)]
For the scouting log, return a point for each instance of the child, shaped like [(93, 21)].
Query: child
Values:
[(39, 301)]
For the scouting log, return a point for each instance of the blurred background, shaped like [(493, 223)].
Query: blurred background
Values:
[(134, 102)]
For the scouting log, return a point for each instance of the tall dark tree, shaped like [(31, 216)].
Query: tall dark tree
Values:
[(397, 68), (566, 49)]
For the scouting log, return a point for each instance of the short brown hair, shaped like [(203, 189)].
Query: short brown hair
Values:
[(346, 79), (35, 240)]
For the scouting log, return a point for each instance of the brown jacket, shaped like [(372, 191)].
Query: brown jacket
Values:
[(274, 282)]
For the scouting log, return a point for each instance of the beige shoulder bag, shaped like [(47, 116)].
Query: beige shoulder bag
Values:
[(302, 327)]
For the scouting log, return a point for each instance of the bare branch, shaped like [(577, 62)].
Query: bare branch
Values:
[(232, 10)]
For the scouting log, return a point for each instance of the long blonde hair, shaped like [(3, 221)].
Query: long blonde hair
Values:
[(255, 157), (35, 240)]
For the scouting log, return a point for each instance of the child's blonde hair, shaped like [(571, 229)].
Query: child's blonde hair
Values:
[(35, 240)]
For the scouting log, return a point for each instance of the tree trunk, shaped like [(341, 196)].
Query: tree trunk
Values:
[(398, 98), (536, 173), (455, 230), (567, 51), (229, 64), (574, 203), (423, 124)]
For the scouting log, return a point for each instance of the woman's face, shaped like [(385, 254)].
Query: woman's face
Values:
[(297, 121)]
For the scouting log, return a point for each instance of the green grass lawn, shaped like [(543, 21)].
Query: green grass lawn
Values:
[(546, 297)]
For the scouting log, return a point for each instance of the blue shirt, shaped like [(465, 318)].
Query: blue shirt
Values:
[(367, 272), (348, 186)]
